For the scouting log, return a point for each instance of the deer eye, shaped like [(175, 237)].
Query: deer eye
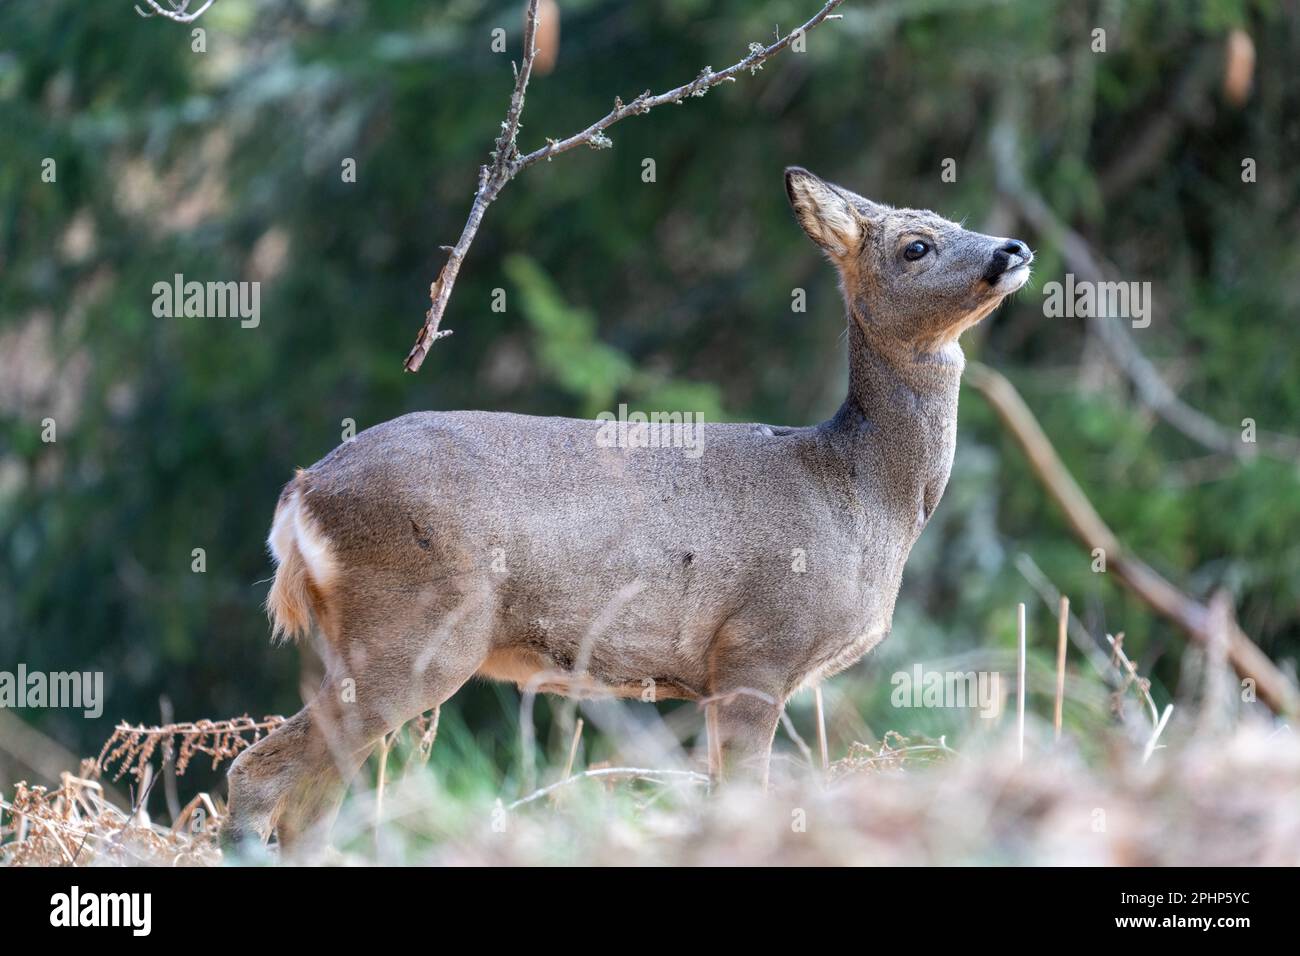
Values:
[(915, 250)]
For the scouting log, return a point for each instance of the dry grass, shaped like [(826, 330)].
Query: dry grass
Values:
[(73, 825), (1221, 791), (76, 825), (1226, 801), (1231, 801)]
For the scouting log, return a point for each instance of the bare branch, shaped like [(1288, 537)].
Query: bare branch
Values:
[(178, 12), (758, 55), (1196, 620), (506, 162), (1123, 352), (490, 180), (506, 149)]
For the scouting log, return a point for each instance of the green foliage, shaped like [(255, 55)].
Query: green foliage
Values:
[(596, 374), (175, 434), (567, 346)]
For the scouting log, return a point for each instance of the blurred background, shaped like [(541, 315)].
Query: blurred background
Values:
[(226, 164)]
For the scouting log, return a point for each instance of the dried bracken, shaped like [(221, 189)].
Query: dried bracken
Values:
[(1224, 797), (131, 749), (1229, 800), (74, 825), (893, 753)]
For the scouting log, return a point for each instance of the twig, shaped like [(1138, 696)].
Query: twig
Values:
[(573, 748), (1020, 681), (506, 162), (425, 729), (385, 745), (1142, 684), (713, 738), (799, 742), (1106, 666), (821, 728), (941, 747), (890, 756), (1158, 719), (1155, 734), (1275, 688), (689, 776), (1062, 634), (1049, 594), (168, 714), (178, 11), (429, 735), (1217, 692), (491, 178)]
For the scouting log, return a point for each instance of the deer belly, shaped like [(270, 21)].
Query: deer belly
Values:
[(630, 643)]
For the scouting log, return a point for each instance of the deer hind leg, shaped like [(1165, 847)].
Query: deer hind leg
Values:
[(276, 770), (293, 781)]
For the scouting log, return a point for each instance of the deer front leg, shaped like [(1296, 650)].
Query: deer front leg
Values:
[(744, 702), (741, 726)]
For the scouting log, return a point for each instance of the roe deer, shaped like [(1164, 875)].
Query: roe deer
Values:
[(440, 546)]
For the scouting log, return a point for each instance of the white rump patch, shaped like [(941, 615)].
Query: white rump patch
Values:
[(294, 527)]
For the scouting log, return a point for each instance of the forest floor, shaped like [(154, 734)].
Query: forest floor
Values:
[(1208, 797)]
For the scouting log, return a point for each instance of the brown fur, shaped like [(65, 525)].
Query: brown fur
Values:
[(440, 546), (289, 602)]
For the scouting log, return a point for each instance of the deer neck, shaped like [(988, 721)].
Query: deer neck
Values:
[(901, 412)]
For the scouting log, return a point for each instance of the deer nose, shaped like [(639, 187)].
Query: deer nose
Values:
[(1002, 258)]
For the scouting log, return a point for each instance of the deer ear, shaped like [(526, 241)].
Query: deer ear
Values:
[(830, 215)]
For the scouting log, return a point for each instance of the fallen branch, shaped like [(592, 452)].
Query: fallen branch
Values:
[(505, 161), (1193, 618)]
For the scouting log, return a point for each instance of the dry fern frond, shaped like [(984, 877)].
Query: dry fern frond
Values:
[(131, 749), (74, 825)]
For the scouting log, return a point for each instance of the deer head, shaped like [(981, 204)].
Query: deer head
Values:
[(912, 280)]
